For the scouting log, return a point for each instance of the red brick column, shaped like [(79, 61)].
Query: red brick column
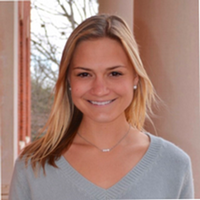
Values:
[(24, 74)]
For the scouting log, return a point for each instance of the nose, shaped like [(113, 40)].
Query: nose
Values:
[(99, 87)]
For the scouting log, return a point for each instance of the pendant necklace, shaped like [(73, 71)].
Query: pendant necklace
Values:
[(107, 149)]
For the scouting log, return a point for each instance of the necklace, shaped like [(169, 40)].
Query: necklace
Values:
[(107, 149)]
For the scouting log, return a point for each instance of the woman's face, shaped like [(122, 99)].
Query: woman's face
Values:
[(101, 79)]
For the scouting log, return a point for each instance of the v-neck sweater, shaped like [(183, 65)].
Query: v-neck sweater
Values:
[(164, 172)]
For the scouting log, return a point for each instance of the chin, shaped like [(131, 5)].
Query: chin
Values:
[(103, 118)]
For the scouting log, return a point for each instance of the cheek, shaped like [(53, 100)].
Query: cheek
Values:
[(125, 87), (129, 92), (78, 90)]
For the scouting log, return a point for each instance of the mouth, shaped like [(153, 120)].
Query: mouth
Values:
[(101, 103)]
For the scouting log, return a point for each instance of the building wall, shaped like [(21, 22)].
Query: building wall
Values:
[(168, 34), (24, 98), (9, 98), (118, 7), (15, 84)]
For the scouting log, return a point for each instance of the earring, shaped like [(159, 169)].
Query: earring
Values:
[(70, 88), (135, 87)]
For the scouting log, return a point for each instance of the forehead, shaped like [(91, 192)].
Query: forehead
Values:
[(102, 51)]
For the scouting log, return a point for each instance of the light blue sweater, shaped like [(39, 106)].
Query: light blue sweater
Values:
[(163, 173)]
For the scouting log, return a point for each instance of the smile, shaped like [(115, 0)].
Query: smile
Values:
[(101, 103)]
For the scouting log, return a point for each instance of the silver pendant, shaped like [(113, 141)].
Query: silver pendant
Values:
[(105, 150)]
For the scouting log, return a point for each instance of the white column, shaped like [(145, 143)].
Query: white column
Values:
[(9, 90), (168, 34), (123, 8)]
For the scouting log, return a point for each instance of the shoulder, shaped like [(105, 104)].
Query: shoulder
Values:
[(170, 153), (21, 169), (24, 175), (20, 164), (19, 184), (169, 168), (25, 167)]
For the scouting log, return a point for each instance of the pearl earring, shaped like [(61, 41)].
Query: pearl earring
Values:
[(70, 88), (135, 87)]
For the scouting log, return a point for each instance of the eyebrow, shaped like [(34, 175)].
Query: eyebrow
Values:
[(88, 69)]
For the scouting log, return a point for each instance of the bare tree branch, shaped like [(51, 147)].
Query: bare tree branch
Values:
[(79, 10), (44, 52), (84, 8)]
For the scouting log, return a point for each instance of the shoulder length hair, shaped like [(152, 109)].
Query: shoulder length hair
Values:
[(65, 118)]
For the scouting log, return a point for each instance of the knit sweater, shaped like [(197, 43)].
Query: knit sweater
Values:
[(164, 172)]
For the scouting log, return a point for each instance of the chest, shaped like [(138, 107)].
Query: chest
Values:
[(105, 169)]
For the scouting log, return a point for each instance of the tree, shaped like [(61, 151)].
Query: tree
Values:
[(51, 24)]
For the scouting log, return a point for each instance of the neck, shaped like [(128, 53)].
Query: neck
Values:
[(104, 135)]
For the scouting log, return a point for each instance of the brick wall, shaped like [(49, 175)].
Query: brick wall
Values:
[(24, 74)]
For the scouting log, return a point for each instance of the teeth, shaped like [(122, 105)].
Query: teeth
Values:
[(100, 103)]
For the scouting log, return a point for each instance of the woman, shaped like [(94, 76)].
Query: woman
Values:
[(94, 146)]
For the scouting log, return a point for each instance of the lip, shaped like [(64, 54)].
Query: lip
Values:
[(101, 103)]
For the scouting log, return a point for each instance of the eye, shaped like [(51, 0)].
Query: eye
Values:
[(83, 74), (115, 74)]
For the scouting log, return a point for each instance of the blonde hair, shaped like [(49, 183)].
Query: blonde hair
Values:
[(65, 118)]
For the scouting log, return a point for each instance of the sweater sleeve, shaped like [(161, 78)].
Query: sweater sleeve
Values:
[(187, 191), (19, 187)]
